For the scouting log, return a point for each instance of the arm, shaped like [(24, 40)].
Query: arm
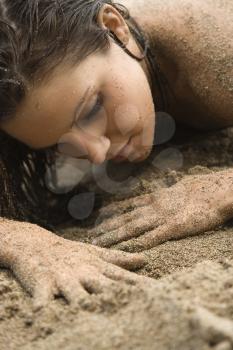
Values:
[(194, 205), (48, 265)]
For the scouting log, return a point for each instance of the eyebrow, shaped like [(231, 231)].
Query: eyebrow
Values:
[(77, 110)]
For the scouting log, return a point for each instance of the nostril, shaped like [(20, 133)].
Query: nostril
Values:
[(99, 150)]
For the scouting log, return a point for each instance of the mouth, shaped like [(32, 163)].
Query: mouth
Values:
[(123, 153)]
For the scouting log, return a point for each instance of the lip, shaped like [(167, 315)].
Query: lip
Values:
[(119, 159), (122, 155)]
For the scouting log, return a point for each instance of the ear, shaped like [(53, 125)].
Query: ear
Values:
[(110, 18)]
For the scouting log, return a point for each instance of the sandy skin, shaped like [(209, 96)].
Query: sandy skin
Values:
[(194, 205), (47, 265), (192, 41)]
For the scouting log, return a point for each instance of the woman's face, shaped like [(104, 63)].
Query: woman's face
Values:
[(100, 109)]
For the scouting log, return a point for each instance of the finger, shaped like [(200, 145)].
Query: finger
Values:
[(122, 259), (44, 292), (176, 228), (97, 284), (127, 204), (124, 219), (116, 222), (154, 238), (131, 246), (72, 290), (118, 274), (145, 199), (142, 224)]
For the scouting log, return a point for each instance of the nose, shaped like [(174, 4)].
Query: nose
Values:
[(85, 146), (98, 149)]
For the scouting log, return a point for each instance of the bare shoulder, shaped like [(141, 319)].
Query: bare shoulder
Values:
[(194, 45), (204, 53)]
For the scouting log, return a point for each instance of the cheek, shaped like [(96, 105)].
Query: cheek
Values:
[(124, 110), (127, 117), (129, 102)]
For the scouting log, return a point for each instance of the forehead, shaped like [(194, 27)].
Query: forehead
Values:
[(64, 82)]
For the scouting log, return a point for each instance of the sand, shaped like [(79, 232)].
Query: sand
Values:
[(187, 302)]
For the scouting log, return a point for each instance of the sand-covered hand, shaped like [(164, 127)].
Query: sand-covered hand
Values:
[(194, 205), (48, 265)]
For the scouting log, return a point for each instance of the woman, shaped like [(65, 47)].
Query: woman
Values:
[(79, 76)]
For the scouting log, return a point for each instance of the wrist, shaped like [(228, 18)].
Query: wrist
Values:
[(14, 238)]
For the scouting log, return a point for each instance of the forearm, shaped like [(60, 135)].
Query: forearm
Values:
[(14, 236), (8, 239)]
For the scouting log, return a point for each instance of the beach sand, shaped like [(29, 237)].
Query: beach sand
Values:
[(187, 301)]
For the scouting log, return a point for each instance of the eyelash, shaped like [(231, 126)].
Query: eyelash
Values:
[(97, 107)]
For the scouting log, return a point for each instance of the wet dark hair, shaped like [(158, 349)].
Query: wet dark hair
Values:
[(35, 37)]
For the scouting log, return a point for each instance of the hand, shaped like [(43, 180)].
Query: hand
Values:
[(194, 205), (48, 265)]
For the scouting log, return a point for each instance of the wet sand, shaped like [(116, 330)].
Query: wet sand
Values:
[(187, 302)]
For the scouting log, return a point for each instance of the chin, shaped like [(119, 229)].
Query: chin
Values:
[(140, 156), (135, 159), (138, 160)]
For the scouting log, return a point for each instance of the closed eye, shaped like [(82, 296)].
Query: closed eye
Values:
[(96, 108)]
